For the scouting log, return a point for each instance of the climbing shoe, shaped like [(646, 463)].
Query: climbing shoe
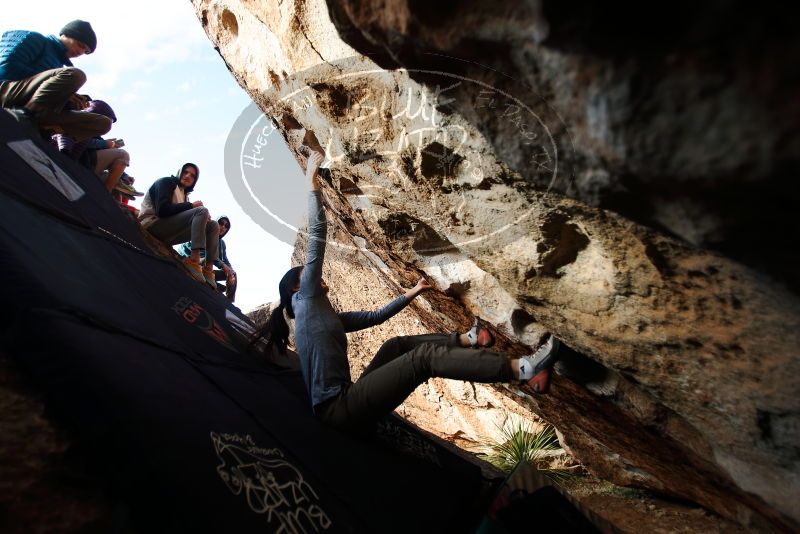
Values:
[(479, 336), (535, 370), (540, 383)]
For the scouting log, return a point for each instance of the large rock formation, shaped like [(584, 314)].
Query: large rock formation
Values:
[(566, 172)]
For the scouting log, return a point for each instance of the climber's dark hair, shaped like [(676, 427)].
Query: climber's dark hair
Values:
[(276, 331)]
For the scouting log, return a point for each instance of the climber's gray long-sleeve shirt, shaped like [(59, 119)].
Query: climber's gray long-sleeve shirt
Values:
[(319, 329)]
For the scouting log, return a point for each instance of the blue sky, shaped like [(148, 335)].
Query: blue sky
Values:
[(175, 102)]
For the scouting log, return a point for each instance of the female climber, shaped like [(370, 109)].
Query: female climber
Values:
[(401, 364)]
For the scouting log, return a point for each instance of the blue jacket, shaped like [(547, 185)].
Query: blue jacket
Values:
[(24, 54), (223, 255), (319, 330)]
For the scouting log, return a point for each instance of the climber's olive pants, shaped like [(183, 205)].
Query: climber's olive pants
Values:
[(402, 364)]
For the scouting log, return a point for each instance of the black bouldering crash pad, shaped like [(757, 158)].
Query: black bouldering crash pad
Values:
[(145, 368)]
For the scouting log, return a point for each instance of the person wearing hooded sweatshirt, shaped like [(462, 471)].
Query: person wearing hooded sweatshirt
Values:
[(38, 80), (167, 214), (98, 154), (224, 271)]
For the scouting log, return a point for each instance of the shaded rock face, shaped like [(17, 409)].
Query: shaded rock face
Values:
[(601, 199), (683, 118)]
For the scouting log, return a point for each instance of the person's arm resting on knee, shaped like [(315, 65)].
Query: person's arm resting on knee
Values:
[(162, 201)]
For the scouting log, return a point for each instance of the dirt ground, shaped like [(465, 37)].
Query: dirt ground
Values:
[(635, 511)]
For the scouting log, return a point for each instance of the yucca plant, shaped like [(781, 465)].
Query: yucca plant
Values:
[(520, 443)]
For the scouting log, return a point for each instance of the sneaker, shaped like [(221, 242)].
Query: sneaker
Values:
[(129, 190), (194, 269), (208, 278), (479, 336)]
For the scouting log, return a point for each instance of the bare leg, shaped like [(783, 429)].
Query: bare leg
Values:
[(114, 173)]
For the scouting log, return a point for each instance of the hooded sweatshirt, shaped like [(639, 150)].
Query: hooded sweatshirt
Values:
[(166, 198)]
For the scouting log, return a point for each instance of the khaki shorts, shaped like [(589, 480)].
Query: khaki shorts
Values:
[(107, 156)]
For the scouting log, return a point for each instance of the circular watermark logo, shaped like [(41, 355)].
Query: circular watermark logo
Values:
[(417, 151)]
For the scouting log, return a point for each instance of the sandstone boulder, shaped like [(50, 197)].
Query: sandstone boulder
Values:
[(547, 183)]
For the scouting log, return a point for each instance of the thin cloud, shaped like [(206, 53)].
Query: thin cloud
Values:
[(132, 38), (187, 86)]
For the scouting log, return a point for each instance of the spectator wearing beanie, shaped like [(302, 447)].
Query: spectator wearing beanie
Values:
[(38, 79)]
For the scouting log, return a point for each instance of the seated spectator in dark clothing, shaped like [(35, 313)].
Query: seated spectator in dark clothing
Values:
[(103, 156), (225, 271), (37, 78), (168, 215)]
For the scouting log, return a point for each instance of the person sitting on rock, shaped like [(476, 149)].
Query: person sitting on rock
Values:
[(401, 364), (224, 271), (103, 156), (38, 81), (169, 216)]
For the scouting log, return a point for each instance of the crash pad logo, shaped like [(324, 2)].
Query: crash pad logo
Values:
[(196, 315), (395, 141), (270, 484)]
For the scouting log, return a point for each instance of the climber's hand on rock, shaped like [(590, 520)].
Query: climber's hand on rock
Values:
[(312, 168), (422, 285)]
